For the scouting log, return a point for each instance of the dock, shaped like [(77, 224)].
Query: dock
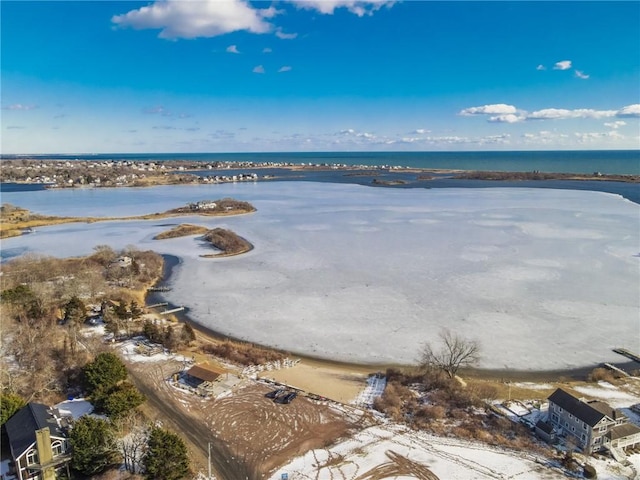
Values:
[(173, 310), (616, 369), (158, 289), (627, 353), (161, 304)]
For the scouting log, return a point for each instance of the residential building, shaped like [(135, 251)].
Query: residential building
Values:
[(593, 425), (38, 443)]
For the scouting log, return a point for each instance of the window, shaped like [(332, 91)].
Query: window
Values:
[(583, 437), (554, 418), (566, 424), (56, 447), (570, 417), (573, 429), (32, 457), (584, 426), (602, 429)]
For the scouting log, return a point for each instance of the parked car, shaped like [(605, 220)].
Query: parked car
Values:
[(288, 398), (275, 393)]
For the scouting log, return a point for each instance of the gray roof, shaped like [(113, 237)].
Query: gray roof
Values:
[(602, 407), (579, 409), (621, 431), (21, 427), (544, 427)]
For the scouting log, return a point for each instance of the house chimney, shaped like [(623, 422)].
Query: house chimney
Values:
[(45, 454)]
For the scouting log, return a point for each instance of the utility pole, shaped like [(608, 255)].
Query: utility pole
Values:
[(209, 450)]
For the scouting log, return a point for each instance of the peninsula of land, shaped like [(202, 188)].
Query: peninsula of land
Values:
[(16, 221)]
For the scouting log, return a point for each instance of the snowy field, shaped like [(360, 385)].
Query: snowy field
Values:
[(394, 451), (544, 279)]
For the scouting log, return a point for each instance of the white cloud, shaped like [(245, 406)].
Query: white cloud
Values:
[(258, 69), (616, 124), (581, 74), (285, 68), (563, 114), (629, 111), (563, 65), (285, 36), (202, 18), (545, 137), (421, 131), (494, 109), (19, 106), (266, 50), (157, 110), (357, 7), (594, 136), (541, 67), (232, 49), (502, 138), (503, 113), (508, 118)]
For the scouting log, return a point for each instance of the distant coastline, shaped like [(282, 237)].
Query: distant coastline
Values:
[(622, 162)]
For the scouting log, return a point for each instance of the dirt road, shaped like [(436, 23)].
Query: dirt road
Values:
[(172, 414), (250, 435)]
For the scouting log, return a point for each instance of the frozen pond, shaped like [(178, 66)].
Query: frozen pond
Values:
[(544, 279)]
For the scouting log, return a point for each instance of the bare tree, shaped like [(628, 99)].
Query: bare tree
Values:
[(133, 436), (454, 353)]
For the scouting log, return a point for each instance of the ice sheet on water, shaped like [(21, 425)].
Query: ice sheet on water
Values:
[(538, 276)]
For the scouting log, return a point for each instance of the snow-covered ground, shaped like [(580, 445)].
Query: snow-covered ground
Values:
[(399, 452), (75, 408), (374, 389), (447, 458), (544, 279)]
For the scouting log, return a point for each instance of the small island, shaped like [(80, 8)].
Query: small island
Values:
[(229, 243), (225, 206), (388, 183), (182, 230)]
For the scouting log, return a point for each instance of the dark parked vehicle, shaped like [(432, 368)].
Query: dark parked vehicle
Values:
[(288, 398), (275, 393)]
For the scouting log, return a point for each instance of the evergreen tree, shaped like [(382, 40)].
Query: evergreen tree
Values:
[(120, 400), (166, 457), (121, 311), (75, 310), (136, 311), (169, 340), (94, 445), (151, 331), (104, 373), (10, 403), (187, 335)]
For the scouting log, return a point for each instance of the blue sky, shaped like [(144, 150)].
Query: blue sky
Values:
[(318, 75)]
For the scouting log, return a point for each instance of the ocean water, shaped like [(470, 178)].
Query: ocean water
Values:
[(572, 161)]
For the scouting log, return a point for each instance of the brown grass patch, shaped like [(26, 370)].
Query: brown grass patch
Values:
[(242, 353)]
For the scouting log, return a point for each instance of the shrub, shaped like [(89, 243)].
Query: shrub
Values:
[(431, 412), (601, 374), (589, 471), (242, 353)]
